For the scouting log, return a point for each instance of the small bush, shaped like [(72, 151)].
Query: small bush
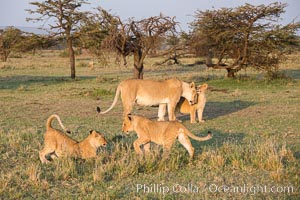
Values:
[(101, 92), (276, 75)]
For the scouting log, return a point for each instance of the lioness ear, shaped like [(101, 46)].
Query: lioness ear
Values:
[(192, 85), (91, 131)]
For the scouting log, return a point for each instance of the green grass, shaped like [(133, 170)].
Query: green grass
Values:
[(255, 125)]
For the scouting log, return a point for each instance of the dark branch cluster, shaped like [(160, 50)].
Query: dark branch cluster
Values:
[(132, 36)]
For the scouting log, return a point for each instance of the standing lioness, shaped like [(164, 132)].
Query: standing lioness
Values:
[(58, 144), (150, 92), (163, 133)]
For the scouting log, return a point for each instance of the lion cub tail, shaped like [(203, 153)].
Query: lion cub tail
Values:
[(49, 121), (194, 137)]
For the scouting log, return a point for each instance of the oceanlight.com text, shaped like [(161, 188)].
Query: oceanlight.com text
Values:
[(213, 188)]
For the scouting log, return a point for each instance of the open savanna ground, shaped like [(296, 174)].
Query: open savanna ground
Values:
[(254, 153)]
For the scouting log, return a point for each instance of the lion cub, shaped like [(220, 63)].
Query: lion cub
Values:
[(58, 144), (159, 132), (185, 108)]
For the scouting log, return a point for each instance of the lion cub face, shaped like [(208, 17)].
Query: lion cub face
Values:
[(127, 124), (202, 88), (97, 139)]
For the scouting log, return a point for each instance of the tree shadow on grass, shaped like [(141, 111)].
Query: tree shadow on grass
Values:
[(217, 109), (15, 82), (293, 73)]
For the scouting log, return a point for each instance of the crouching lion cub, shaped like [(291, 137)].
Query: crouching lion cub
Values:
[(162, 133), (57, 144)]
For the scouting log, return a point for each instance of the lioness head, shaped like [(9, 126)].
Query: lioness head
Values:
[(127, 124), (97, 139), (190, 93)]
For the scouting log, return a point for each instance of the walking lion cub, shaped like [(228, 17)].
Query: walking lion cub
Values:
[(160, 132), (57, 144)]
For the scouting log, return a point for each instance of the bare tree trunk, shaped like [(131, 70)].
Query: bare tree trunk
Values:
[(5, 55), (72, 57), (138, 70), (230, 73), (209, 57)]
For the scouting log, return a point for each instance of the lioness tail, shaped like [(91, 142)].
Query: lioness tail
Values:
[(114, 102), (49, 121)]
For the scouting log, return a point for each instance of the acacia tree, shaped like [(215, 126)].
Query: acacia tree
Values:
[(246, 36), (9, 40), (133, 36), (32, 42), (66, 17), (179, 46), (13, 39), (92, 33)]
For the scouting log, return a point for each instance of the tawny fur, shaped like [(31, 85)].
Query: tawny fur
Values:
[(185, 107), (151, 92), (162, 133), (57, 144)]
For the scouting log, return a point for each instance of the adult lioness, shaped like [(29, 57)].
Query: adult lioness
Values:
[(57, 144), (151, 92), (184, 107), (163, 133)]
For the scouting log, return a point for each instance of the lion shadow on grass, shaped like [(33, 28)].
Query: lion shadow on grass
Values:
[(215, 109), (217, 141)]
